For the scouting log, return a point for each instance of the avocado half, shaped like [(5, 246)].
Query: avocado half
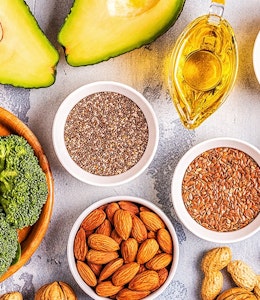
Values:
[(95, 31), (27, 59)]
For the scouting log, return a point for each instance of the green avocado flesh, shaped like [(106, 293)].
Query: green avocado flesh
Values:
[(27, 59), (95, 31)]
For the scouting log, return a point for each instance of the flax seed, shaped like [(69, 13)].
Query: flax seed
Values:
[(221, 189)]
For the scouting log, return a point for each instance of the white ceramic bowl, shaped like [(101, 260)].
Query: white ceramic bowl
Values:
[(60, 120), (70, 254), (256, 57), (176, 190)]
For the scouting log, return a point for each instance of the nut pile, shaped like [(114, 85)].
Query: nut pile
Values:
[(123, 250), (247, 282)]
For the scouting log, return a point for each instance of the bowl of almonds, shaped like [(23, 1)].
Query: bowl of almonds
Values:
[(123, 247), (216, 190)]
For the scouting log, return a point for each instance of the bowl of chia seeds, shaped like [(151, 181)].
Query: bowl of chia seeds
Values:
[(215, 190), (105, 133)]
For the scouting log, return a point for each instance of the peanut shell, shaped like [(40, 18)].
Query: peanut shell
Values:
[(212, 285), (242, 274), (216, 259)]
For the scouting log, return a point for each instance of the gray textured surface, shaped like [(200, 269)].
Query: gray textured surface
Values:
[(145, 70)]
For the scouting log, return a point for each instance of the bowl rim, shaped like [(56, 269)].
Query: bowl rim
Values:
[(70, 254), (256, 56), (12, 124), (182, 213), (60, 119)]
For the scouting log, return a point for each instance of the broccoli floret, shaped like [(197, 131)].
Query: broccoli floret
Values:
[(23, 185), (8, 243)]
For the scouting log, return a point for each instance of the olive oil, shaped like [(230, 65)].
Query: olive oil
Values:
[(202, 70), (203, 67)]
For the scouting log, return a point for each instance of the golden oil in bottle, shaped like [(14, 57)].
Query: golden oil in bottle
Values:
[(203, 67)]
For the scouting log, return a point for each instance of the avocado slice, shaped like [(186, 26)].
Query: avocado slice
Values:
[(27, 59), (95, 31)]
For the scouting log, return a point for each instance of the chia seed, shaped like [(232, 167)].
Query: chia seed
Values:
[(106, 133)]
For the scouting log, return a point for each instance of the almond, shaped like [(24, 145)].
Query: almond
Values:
[(101, 257), (115, 236), (163, 275), (139, 231), (142, 268), (107, 289), (144, 208), (102, 242), (147, 251), (110, 211), (129, 250), (127, 294), (95, 268), (145, 281), (159, 261), (105, 228), (129, 206), (86, 273), (80, 245), (123, 223), (151, 235), (125, 274), (164, 240), (89, 232), (94, 219), (110, 268), (151, 220)]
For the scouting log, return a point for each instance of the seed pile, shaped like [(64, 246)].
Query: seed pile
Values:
[(106, 133), (221, 189)]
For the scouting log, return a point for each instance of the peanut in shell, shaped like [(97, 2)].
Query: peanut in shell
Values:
[(242, 274), (216, 259), (212, 285)]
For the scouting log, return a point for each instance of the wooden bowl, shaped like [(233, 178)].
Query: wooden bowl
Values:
[(30, 237)]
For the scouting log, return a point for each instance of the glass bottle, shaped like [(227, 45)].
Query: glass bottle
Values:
[(203, 66)]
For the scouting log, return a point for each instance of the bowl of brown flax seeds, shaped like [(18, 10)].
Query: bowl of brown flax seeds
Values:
[(105, 133), (216, 190)]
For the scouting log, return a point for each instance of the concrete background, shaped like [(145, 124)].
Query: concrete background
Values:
[(145, 70)]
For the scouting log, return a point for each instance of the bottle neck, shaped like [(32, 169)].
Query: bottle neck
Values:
[(216, 11)]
